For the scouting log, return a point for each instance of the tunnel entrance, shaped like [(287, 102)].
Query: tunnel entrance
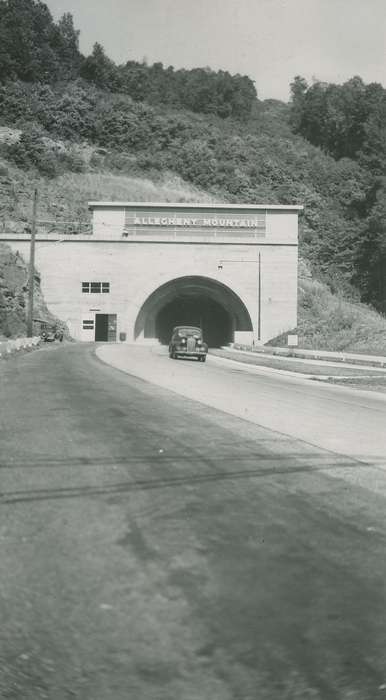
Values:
[(214, 321), (194, 301)]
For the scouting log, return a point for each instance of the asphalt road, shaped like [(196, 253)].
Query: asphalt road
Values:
[(155, 548), (336, 418)]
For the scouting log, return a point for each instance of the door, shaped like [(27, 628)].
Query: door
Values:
[(112, 328), (101, 327)]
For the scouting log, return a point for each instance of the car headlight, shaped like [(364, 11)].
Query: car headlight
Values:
[(183, 340)]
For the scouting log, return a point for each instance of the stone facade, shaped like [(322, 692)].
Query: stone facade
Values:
[(230, 268)]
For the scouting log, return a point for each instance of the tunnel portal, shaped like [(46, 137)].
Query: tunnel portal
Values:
[(193, 301)]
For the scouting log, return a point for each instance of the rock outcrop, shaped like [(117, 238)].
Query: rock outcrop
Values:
[(14, 293)]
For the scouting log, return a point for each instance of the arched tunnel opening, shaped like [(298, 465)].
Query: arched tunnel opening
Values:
[(193, 301), (214, 321)]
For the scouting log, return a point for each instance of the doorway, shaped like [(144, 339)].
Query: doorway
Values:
[(105, 328)]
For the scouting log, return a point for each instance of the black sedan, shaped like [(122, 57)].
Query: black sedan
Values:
[(186, 341)]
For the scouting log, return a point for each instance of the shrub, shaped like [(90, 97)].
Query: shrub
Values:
[(30, 151)]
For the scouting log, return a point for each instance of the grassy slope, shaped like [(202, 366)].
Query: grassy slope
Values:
[(328, 322), (65, 198)]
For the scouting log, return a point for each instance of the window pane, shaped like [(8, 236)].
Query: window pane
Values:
[(105, 287), (95, 287), (85, 287)]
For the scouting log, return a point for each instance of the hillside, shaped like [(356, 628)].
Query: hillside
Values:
[(97, 130), (63, 199), (327, 321), (84, 129)]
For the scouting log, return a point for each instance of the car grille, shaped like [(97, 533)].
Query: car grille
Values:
[(191, 344)]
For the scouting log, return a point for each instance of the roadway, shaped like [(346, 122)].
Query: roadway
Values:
[(155, 547), (331, 417)]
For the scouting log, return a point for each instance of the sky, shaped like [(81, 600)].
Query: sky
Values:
[(271, 41)]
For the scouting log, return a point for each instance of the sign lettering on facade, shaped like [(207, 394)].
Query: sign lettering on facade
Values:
[(212, 223), (217, 222)]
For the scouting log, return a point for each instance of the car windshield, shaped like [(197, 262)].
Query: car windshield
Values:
[(189, 331)]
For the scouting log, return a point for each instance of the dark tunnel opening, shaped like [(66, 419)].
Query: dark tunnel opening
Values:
[(198, 310), (194, 301)]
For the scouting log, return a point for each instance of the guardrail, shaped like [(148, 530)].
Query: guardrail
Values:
[(324, 355), (10, 347)]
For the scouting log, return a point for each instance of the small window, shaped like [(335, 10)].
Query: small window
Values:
[(88, 325), (95, 287)]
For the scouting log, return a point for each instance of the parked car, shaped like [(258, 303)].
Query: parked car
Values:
[(50, 334), (47, 331), (187, 341)]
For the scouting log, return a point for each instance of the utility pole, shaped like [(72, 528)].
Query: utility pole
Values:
[(31, 268), (259, 299)]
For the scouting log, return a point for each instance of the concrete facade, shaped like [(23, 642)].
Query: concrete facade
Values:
[(230, 268)]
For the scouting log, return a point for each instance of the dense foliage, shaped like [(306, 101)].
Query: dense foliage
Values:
[(32, 46), (349, 121), (35, 48), (199, 90)]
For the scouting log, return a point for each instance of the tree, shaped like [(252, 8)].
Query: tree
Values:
[(68, 47), (370, 260), (99, 69), (27, 38), (136, 81), (299, 89), (345, 120), (373, 152), (32, 47)]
